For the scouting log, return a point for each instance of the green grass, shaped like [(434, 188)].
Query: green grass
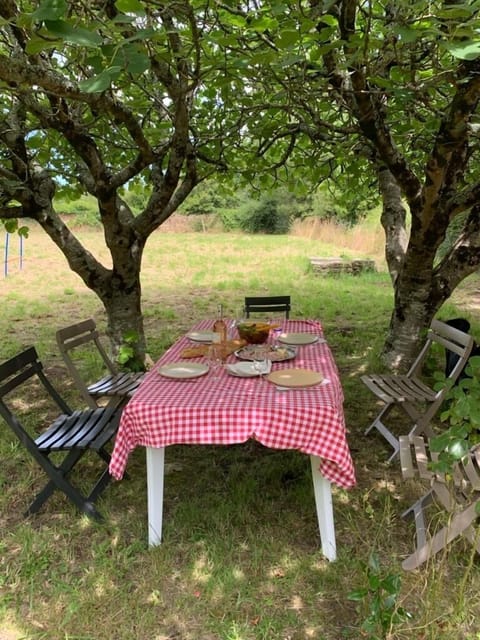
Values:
[(240, 558)]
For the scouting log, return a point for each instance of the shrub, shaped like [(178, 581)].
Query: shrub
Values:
[(265, 216)]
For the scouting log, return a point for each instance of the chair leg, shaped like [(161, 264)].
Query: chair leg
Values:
[(57, 474), (384, 412), (75, 496), (417, 512), (382, 429), (100, 485), (457, 526), (58, 481)]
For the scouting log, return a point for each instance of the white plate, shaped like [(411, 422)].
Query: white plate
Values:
[(279, 355), (203, 336), (297, 338), (246, 369), (295, 377), (183, 370)]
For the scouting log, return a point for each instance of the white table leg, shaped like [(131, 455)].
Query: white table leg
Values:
[(155, 476), (323, 502)]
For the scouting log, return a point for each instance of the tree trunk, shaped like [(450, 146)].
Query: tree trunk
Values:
[(393, 222), (125, 325), (118, 287), (424, 284), (413, 311)]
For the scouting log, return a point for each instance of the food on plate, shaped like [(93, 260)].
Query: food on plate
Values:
[(272, 354)]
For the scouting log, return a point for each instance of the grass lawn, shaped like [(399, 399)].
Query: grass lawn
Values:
[(240, 558)]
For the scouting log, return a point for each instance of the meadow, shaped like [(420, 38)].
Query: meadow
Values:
[(240, 558)]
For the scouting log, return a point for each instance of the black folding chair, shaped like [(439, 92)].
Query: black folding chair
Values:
[(84, 335), (73, 432), (267, 304)]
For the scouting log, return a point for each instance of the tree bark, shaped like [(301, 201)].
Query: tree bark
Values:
[(393, 221)]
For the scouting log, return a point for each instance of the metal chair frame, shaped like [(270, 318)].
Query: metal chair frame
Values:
[(410, 392)]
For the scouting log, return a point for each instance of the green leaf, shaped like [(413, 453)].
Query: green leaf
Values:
[(100, 82), (73, 34), (288, 37), (137, 62), (466, 50), (10, 225), (36, 45), (358, 594), (328, 19), (458, 449), (407, 35), (263, 23), (130, 6), (50, 10), (374, 563)]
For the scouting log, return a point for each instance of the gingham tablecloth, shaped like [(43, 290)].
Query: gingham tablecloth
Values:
[(228, 410)]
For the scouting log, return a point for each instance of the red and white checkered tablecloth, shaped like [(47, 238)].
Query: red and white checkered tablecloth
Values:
[(229, 409)]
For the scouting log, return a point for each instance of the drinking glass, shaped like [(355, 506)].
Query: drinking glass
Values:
[(260, 361), (236, 320), (275, 330), (214, 359)]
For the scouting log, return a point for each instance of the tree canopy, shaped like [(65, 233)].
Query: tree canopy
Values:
[(380, 96)]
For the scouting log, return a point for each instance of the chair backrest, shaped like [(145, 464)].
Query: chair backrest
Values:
[(451, 358), (77, 335), (457, 343), (267, 304), (20, 370)]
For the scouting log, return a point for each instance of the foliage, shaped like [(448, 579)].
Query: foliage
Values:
[(137, 93), (12, 226), (241, 545), (127, 354), (265, 216), (462, 414), (381, 596), (208, 197)]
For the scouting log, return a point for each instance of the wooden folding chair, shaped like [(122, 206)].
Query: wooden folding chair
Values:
[(267, 305), (113, 384), (411, 392), (72, 432), (459, 496)]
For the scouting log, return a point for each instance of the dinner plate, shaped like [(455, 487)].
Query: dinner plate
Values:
[(203, 336), (274, 355), (183, 369), (295, 377), (297, 338), (246, 369)]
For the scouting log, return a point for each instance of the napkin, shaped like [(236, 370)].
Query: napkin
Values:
[(247, 369)]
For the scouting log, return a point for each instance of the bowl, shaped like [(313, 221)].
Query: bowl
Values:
[(254, 332)]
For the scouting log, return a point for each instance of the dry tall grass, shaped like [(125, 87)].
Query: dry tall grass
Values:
[(362, 239)]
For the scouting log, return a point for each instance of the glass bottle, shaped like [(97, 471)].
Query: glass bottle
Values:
[(219, 326)]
